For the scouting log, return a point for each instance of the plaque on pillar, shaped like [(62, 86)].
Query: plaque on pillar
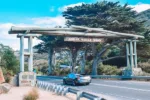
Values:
[(27, 79)]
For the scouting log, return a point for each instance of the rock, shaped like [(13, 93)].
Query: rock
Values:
[(137, 72), (14, 81), (1, 76), (4, 88)]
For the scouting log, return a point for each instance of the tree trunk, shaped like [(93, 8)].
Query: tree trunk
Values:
[(83, 64), (95, 60), (98, 56), (94, 66), (50, 52), (70, 64), (53, 59), (73, 61), (74, 55)]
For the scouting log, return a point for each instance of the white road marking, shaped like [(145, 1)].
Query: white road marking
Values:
[(121, 87), (119, 96), (129, 82)]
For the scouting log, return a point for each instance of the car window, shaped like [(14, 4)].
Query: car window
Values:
[(78, 75), (71, 75)]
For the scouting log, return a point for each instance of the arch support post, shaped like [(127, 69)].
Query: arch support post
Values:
[(22, 54), (27, 78), (131, 56), (30, 50)]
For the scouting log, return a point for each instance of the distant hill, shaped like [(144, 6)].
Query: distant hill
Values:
[(145, 15), (39, 60)]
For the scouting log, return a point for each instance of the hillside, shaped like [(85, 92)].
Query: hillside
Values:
[(39, 60), (145, 15)]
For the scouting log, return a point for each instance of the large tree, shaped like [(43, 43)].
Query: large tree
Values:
[(107, 15), (47, 46), (49, 43)]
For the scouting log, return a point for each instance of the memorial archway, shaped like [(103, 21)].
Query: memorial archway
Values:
[(75, 31)]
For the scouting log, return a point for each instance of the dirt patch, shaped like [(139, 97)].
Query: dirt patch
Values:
[(17, 93)]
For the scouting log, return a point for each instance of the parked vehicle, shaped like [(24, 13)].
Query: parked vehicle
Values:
[(74, 79)]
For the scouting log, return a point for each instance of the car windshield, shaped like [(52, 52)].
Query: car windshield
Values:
[(78, 75)]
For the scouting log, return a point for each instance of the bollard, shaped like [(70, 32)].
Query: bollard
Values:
[(61, 90), (79, 95), (41, 85), (47, 88), (51, 87), (65, 91), (97, 99), (54, 87), (57, 89)]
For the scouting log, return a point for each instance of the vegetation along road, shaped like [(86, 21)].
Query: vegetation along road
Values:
[(121, 90)]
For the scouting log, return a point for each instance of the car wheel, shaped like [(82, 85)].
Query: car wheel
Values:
[(73, 83), (87, 83)]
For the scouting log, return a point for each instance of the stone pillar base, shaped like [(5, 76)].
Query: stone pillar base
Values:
[(133, 72), (27, 79)]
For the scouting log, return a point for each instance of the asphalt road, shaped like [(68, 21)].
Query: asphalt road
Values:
[(120, 90)]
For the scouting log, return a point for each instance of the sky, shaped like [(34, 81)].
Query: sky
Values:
[(43, 13)]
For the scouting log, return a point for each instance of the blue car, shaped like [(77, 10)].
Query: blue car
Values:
[(75, 79)]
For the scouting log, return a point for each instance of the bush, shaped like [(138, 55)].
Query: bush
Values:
[(32, 95), (145, 66), (7, 79), (108, 70), (7, 74), (88, 68), (64, 72)]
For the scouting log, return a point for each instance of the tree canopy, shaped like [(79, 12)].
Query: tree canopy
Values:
[(107, 15), (8, 59)]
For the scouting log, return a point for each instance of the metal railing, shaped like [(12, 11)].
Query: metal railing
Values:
[(63, 90), (105, 77), (120, 77)]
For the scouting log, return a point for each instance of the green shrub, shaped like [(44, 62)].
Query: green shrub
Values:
[(7, 79), (88, 68), (64, 72), (108, 70), (7, 74)]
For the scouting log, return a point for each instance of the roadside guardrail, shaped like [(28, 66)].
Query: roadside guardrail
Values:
[(121, 77), (105, 77), (63, 90), (55, 77)]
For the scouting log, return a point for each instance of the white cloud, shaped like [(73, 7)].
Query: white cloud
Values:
[(13, 41), (140, 7), (64, 8), (49, 21)]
